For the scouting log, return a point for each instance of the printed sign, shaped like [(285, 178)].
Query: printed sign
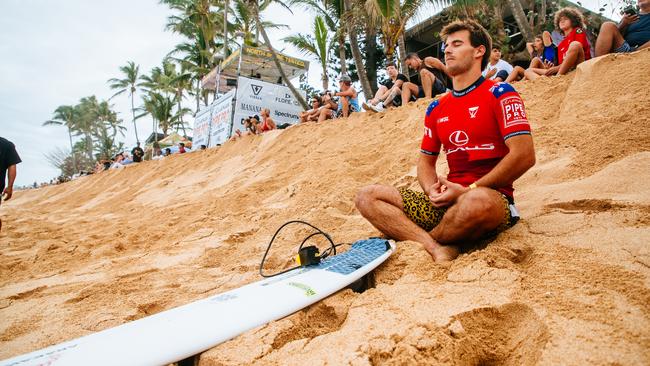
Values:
[(220, 121), (201, 128), (253, 95)]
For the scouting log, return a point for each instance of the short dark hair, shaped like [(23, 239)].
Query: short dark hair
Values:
[(411, 55), (478, 36), (573, 14), (391, 64)]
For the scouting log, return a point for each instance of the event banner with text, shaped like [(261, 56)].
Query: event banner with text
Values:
[(201, 132), (253, 95), (220, 121)]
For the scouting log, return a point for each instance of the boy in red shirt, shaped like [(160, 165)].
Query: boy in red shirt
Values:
[(573, 49)]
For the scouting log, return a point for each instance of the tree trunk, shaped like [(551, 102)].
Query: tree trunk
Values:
[(541, 19), (371, 58), (344, 66), (402, 52), (356, 55), (180, 114), (225, 31), (135, 128), (198, 95), (520, 18), (293, 89), (89, 146), (74, 158), (326, 80)]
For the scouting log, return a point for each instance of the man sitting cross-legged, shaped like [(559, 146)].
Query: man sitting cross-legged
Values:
[(497, 69), (425, 84), (631, 34), (388, 91), (574, 48), (486, 136)]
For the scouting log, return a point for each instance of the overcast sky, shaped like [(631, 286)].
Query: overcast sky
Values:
[(56, 52)]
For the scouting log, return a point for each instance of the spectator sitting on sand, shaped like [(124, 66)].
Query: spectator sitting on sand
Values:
[(117, 161), (389, 92), (347, 103), (497, 69), (631, 34), (425, 84), (181, 148), (267, 122), (157, 155), (168, 151), (137, 153), (311, 114), (572, 51), (486, 136), (543, 55), (127, 159)]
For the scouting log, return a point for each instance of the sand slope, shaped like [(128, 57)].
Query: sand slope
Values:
[(570, 284)]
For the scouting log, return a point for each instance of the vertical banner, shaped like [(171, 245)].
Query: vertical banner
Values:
[(253, 95), (220, 119), (201, 132)]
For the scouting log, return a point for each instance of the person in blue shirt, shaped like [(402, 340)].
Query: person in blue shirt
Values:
[(631, 34), (543, 55)]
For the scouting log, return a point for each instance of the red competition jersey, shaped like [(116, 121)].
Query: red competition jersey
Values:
[(577, 34), (473, 125)]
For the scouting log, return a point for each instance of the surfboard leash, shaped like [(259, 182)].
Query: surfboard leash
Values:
[(306, 256)]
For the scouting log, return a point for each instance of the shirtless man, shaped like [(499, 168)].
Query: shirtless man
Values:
[(486, 136), (427, 84)]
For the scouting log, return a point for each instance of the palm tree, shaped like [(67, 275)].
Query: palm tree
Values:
[(318, 45), (65, 115), (391, 16), (356, 51), (130, 83), (255, 11)]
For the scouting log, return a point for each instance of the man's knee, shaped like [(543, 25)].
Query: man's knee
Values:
[(473, 205), (608, 27), (575, 46), (367, 195)]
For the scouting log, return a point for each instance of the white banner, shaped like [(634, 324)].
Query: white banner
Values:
[(220, 119), (253, 95), (201, 132)]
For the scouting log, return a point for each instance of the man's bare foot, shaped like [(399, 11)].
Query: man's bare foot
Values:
[(442, 253)]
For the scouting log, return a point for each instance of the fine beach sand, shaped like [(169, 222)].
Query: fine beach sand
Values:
[(569, 284)]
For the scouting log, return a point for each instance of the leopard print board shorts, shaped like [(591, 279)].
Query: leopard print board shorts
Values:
[(419, 209)]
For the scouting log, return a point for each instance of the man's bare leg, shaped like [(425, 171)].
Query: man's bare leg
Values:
[(609, 39), (395, 91), (383, 207), (574, 56), (474, 214), (532, 74), (427, 79), (536, 63), (516, 74), (379, 95), (325, 113), (408, 89), (345, 109)]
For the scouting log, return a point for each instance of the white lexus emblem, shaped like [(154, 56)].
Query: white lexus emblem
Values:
[(458, 138), (472, 111)]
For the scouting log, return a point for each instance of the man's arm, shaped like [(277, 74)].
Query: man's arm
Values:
[(427, 172), (435, 63), (626, 20), (9, 189), (348, 93), (490, 73), (519, 159)]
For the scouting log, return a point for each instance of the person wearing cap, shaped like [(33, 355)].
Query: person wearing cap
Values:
[(348, 101)]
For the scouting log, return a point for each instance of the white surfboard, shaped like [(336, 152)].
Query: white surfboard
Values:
[(187, 330)]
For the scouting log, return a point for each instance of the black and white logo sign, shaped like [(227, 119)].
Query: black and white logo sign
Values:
[(256, 89)]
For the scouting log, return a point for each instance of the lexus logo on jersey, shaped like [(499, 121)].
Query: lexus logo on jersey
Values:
[(458, 138), (472, 111), (256, 89)]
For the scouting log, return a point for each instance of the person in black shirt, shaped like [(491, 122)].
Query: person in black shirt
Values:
[(389, 92), (137, 153), (8, 160), (428, 81)]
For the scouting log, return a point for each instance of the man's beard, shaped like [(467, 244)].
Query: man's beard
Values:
[(459, 67)]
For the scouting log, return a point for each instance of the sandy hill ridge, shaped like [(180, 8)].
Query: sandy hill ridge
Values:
[(568, 285)]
